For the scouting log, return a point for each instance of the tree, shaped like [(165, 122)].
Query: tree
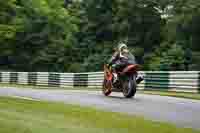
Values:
[(45, 38), (44, 35), (9, 26), (173, 57)]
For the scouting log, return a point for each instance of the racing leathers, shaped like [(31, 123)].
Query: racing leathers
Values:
[(119, 61)]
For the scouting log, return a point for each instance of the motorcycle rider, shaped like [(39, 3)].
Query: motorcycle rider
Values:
[(122, 58)]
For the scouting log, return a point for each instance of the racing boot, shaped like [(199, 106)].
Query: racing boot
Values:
[(115, 78), (139, 78)]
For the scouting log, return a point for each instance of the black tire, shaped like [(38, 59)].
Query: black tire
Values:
[(129, 87), (106, 90)]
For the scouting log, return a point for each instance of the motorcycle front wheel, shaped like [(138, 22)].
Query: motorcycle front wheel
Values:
[(106, 87), (129, 87)]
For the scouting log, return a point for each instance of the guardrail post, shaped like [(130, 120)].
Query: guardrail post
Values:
[(80, 80), (199, 82), (13, 78), (54, 79), (0, 77), (5, 77), (32, 78), (157, 80)]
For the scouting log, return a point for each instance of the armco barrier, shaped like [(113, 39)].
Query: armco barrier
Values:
[(187, 81)]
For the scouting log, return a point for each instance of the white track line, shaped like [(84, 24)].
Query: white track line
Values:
[(25, 98)]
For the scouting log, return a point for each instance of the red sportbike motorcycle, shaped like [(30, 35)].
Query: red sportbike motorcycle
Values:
[(126, 82)]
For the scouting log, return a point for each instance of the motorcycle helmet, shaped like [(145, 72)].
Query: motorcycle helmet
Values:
[(122, 46), (123, 49)]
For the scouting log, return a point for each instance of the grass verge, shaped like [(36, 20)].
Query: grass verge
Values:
[(23, 116)]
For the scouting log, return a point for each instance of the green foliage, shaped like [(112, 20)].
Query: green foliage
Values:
[(94, 62), (174, 57), (48, 35), (167, 57)]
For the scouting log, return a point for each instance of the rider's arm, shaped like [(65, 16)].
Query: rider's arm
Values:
[(113, 58)]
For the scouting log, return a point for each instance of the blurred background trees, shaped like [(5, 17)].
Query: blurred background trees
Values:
[(79, 36)]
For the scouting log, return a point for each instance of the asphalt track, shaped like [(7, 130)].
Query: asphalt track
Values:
[(179, 111)]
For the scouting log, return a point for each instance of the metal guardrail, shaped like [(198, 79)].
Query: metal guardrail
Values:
[(187, 81)]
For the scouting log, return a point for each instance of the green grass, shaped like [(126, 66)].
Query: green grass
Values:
[(187, 95), (23, 116)]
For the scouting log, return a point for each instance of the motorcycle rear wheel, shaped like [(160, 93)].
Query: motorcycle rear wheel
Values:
[(129, 87)]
